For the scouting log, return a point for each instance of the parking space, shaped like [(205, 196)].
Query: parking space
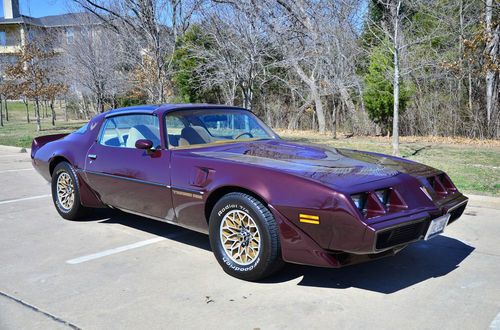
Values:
[(117, 270)]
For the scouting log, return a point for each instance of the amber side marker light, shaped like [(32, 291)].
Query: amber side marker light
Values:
[(308, 218)]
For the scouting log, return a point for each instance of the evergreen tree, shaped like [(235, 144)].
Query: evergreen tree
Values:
[(378, 94)]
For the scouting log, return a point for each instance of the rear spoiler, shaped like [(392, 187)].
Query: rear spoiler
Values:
[(43, 140)]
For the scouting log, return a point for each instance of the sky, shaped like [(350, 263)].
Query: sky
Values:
[(39, 8)]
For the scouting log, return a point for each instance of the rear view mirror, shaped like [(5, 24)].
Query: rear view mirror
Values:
[(143, 144)]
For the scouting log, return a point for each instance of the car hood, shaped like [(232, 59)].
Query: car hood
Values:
[(330, 166)]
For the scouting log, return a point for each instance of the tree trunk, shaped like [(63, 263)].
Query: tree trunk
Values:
[(361, 101), (295, 118), (492, 41), (37, 115), (346, 97), (6, 111), (395, 119), (1, 113), (334, 119), (53, 112), (247, 95), (27, 110), (320, 114), (65, 108), (310, 81)]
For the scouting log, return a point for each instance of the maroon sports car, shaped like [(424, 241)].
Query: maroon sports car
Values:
[(220, 170)]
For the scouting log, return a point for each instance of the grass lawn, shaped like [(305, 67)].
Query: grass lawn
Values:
[(17, 132), (473, 165)]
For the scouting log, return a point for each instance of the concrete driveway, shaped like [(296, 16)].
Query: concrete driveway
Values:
[(121, 271)]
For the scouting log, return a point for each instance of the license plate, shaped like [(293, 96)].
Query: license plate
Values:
[(437, 226)]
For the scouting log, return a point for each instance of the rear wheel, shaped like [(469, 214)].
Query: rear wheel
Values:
[(66, 192), (244, 237)]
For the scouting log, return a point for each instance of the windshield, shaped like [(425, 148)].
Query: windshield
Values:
[(195, 127)]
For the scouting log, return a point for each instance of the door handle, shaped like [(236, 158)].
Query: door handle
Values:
[(92, 156)]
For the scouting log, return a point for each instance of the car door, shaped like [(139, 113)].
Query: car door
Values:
[(128, 178)]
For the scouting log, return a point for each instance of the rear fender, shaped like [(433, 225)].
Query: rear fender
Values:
[(43, 140)]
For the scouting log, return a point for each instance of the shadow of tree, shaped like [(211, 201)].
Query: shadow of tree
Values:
[(419, 262)]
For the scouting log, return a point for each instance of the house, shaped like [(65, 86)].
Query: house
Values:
[(16, 30)]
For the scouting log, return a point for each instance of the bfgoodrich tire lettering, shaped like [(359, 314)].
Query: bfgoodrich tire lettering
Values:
[(64, 178), (257, 235)]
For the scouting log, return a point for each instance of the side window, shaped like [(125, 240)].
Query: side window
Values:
[(174, 129), (124, 131)]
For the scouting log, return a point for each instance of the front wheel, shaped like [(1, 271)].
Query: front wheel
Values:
[(66, 192), (244, 237)]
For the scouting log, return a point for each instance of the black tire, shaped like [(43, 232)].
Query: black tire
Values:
[(77, 211), (268, 259)]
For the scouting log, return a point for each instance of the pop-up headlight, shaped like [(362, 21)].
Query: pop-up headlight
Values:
[(359, 200), (383, 196)]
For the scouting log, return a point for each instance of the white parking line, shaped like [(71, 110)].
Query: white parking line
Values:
[(115, 250), (18, 170), (23, 199), (495, 325)]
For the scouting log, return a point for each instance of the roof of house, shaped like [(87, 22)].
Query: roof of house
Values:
[(70, 19)]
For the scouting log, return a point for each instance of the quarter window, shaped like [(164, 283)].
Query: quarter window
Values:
[(124, 131)]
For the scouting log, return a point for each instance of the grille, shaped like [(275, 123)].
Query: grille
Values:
[(401, 235), (456, 213)]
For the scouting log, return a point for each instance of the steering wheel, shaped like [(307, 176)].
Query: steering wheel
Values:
[(244, 133)]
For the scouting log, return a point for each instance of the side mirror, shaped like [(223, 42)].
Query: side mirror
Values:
[(144, 144)]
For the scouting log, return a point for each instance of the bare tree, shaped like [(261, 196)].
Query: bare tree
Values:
[(238, 56), (150, 29), (95, 62), (492, 32), (31, 73)]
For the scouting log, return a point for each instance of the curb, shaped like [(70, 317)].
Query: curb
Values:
[(490, 201), (15, 149)]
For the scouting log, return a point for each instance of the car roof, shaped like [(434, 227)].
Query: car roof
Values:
[(168, 107)]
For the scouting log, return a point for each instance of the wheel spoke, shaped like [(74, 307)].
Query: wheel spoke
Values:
[(65, 191), (240, 237)]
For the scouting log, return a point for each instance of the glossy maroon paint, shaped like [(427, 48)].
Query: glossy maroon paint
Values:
[(181, 185)]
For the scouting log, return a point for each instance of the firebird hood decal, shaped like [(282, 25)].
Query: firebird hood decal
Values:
[(328, 165)]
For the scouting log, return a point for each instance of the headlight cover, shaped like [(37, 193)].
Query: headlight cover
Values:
[(378, 202), (359, 200)]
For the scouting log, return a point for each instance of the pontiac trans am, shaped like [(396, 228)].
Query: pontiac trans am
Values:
[(262, 200)]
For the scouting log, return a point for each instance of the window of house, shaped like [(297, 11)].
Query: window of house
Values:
[(70, 36), (3, 38), (31, 35)]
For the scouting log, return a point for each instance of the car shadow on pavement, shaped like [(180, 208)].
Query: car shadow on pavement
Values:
[(155, 227), (419, 262)]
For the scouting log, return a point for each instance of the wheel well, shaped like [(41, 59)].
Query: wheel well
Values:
[(54, 162), (219, 192)]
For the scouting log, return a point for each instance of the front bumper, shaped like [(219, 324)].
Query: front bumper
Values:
[(380, 240), (407, 232)]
